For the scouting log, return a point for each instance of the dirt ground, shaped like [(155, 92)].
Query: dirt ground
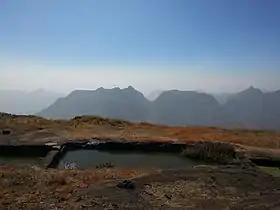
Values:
[(201, 187), (31, 129)]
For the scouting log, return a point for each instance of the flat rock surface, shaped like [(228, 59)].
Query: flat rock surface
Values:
[(201, 187)]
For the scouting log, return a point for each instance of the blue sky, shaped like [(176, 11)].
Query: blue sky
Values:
[(218, 39)]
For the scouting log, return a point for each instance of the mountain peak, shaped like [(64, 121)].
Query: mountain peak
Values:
[(130, 88), (250, 92), (252, 89)]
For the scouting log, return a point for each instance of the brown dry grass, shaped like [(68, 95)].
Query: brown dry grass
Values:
[(36, 129), (202, 187), (21, 185), (209, 151)]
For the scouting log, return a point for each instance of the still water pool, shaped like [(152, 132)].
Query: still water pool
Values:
[(93, 158), (10, 160)]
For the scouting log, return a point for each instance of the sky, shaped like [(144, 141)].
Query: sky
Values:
[(213, 46)]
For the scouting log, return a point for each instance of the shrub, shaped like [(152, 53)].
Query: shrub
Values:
[(210, 151)]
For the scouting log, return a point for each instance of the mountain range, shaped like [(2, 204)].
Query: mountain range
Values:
[(250, 108)]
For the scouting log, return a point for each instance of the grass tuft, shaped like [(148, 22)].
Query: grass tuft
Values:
[(210, 151)]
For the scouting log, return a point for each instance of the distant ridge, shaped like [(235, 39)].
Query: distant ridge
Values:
[(128, 104), (250, 108)]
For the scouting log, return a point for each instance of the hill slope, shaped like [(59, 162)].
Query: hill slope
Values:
[(243, 109), (127, 104), (252, 108), (185, 108)]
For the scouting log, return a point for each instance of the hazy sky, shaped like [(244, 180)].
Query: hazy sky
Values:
[(218, 45)]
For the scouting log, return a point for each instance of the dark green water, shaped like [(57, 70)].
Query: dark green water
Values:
[(92, 158), (21, 160)]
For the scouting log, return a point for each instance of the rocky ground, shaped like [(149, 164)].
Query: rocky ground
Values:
[(201, 187), (239, 186), (34, 130)]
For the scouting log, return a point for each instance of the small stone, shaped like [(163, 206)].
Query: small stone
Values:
[(168, 196), (78, 199), (126, 184), (6, 132)]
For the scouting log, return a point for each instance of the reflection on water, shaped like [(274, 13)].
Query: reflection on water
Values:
[(71, 166), (93, 159)]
